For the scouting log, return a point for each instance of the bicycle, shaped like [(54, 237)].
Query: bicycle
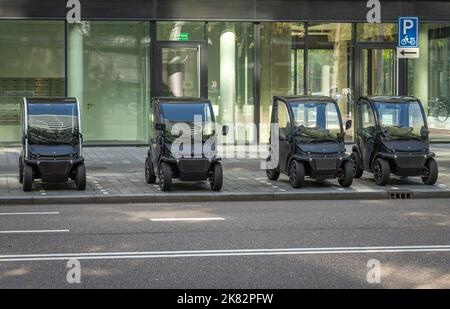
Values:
[(441, 109)]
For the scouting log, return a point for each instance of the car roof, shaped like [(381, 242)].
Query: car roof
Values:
[(305, 98), (390, 99), (52, 100), (188, 100)]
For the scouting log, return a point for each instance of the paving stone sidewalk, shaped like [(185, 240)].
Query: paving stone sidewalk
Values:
[(117, 174)]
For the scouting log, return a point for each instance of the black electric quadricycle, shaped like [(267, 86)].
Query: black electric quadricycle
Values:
[(183, 143), (310, 141), (51, 142), (392, 137)]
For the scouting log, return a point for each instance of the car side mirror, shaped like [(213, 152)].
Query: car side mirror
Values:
[(300, 130), (424, 132), (225, 130), (386, 132), (160, 127), (348, 125)]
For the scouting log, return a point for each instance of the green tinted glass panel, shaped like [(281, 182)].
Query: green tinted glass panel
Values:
[(180, 31), (31, 64), (109, 74), (230, 78), (377, 32)]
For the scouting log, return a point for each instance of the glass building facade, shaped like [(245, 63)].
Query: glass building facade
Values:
[(115, 66)]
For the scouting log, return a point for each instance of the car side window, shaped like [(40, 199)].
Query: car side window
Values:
[(367, 119), (284, 122)]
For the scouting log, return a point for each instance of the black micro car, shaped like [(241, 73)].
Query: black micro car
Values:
[(51, 143), (392, 136), (190, 120), (311, 141)]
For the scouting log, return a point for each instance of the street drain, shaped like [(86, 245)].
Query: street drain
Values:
[(400, 195)]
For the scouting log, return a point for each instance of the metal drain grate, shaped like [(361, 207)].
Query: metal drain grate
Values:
[(400, 195)]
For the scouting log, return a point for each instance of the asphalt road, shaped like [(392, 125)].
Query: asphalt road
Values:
[(228, 245)]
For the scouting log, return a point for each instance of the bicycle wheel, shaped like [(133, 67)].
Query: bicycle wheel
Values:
[(442, 113)]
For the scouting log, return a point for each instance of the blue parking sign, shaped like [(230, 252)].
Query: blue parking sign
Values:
[(408, 32)]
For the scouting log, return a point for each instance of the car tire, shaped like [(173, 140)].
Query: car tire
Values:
[(27, 183), (296, 174), (81, 177), (382, 172), (356, 164), (20, 170), (165, 177), (347, 177), (216, 179), (431, 173), (273, 174), (150, 176)]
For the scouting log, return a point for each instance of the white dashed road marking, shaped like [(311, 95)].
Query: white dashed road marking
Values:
[(185, 219)]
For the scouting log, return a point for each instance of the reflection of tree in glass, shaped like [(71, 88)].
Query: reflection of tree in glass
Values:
[(317, 134), (401, 133)]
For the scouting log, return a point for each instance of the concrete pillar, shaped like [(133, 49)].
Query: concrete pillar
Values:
[(75, 63), (325, 80), (228, 77)]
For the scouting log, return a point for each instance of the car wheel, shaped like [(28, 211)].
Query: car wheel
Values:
[(150, 176), (81, 177), (165, 177), (382, 172), (357, 170), (273, 174), (297, 174), (347, 176), (216, 179), (27, 183), (431, 173), (20, 170)]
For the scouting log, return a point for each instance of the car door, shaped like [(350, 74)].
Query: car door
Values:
[(285, 134), (366, 132), (155, 144)]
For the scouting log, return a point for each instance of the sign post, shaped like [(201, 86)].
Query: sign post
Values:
[(408, 38)]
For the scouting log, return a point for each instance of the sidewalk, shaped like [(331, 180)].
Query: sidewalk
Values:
[(116, 175)]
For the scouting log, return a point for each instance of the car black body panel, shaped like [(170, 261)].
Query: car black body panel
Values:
[(406, 157), (322, 160), (52, 162), (185, 168)]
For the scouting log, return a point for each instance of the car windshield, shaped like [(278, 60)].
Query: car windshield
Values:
[(188, 113), (400, 120), (317, 121), (52, 124)]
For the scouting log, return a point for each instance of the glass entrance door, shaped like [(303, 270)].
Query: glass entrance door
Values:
[(377, 68), (181, 70)]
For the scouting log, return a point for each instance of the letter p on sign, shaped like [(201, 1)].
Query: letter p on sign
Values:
[(407, 25)]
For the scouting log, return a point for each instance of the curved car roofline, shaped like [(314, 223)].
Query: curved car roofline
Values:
[(305, 98), (390, 99), (179, 100), (52, 100)]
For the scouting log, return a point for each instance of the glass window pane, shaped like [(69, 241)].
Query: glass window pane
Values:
[(230, 78), (330, 49), (31, 64), (109, 74), (181, 72), (367, 119), (282, 66), (377, 32), (429, 78), (378, 72), (180, 31)]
